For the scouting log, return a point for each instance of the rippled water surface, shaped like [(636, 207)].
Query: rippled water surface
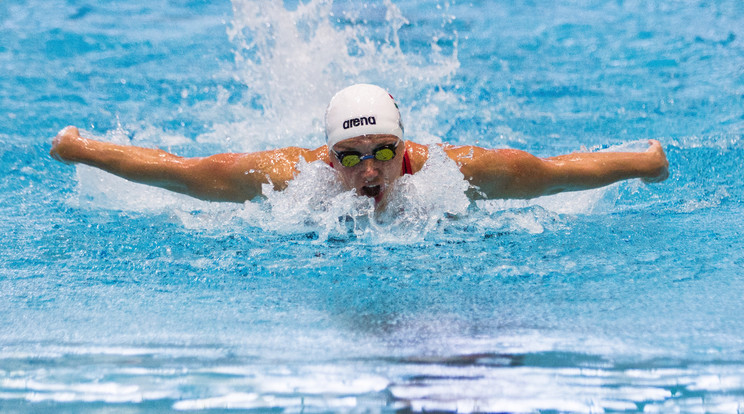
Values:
[(117, 297)]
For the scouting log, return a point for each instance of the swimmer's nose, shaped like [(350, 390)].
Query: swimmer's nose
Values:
[(369, 169)]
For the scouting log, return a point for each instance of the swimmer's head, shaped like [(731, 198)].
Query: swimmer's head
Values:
[(359, 110)]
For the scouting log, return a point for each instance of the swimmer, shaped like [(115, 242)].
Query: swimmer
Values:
[(365, 146)]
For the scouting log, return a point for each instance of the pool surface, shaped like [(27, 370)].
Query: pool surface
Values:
[(116, 297)]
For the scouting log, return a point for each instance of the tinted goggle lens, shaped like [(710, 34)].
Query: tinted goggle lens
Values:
[(350, 159), (384, 154)]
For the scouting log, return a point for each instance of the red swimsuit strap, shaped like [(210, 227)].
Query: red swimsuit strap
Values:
[(407, 164)]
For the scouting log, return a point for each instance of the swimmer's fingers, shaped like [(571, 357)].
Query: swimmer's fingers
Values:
[(658, 166), (63, 143), (654, 146)]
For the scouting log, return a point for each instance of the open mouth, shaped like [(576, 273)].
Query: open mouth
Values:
[(371, 190)]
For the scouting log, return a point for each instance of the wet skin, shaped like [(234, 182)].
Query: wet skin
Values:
[(236, 177), (371, 177)]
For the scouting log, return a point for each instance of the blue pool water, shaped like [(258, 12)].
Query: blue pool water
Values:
[(120, 298)]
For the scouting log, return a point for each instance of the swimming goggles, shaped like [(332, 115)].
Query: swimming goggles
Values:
[(352, 158)]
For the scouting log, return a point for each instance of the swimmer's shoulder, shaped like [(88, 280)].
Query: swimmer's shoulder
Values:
[(417, 154), (293, 154), (317, 154), (282, 161)]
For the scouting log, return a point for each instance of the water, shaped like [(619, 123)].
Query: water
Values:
[(117, 297)]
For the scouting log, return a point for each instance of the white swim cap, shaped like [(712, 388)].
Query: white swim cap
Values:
[(361, 110)]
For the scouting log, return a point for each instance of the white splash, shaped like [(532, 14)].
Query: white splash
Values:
[(420, 202), (293, 61), (315, 201)]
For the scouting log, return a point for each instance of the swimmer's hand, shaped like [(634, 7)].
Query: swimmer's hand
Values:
[(65, 144), (658, 166)]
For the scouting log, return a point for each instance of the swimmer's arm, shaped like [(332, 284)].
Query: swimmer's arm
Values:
[(509, 173), (221, 177)]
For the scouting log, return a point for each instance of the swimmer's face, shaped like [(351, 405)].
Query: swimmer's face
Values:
[(371, 177)]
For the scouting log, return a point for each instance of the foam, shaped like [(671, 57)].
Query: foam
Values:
[(316, 202), (293, 61)]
